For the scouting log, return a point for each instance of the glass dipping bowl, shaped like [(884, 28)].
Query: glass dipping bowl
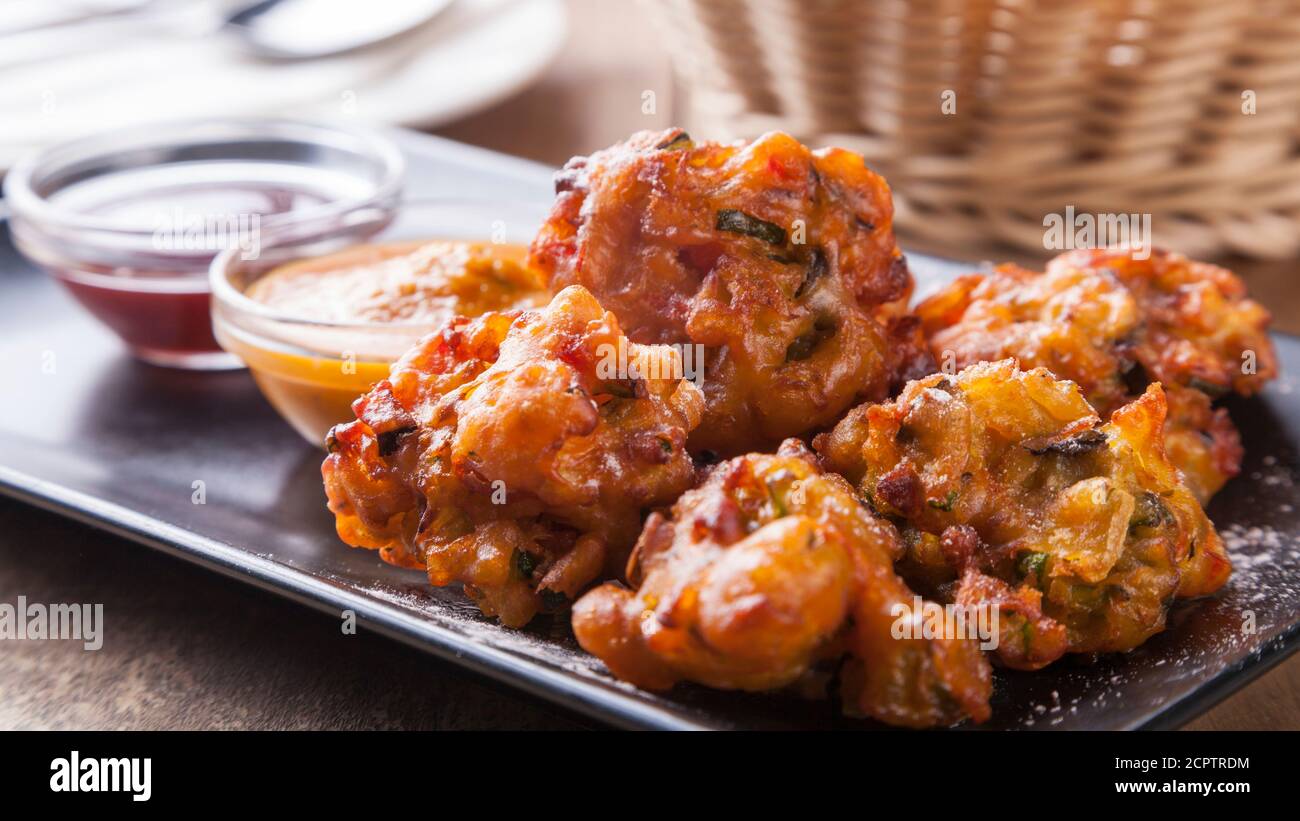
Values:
[(311, 370), (130, 220)]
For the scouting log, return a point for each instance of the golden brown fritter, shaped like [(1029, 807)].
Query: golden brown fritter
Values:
[(1199, 329), (1075, 322), (1201, 441), (766, 568), (504, 454), (778, 260), (1008, 488), (1112, 323)]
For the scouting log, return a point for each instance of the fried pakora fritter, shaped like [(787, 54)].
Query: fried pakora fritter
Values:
[(778, 260), (1009, 489), (1112, 323), (1077, 323), (510, 454), (766, 568), (1201, 441), (1199, 329)]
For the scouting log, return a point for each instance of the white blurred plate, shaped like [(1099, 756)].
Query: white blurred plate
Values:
[(476, 54)]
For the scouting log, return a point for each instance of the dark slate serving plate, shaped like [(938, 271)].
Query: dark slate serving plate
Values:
[(118, 445)]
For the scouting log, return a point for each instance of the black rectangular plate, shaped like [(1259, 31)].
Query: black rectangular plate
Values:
[(119, 445)]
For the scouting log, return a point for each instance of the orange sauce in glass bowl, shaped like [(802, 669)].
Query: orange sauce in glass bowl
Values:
[(351, 314), (427, 282)]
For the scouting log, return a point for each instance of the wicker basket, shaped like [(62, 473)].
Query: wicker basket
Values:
[(1188, 110)]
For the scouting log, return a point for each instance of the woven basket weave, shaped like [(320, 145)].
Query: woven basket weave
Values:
[(1109, 106)]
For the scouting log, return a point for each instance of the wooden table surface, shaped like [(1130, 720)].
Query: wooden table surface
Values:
[(186, 648)]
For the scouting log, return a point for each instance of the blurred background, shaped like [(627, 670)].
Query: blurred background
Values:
[(985, 115)]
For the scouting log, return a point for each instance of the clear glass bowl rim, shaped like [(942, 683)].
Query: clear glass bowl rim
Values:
[(25, 203)]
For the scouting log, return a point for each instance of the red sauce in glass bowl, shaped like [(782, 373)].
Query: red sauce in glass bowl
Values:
[(130, 221), (162, 327)]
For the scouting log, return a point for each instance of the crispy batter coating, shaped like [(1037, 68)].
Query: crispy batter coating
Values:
[(1009, 489), (1077, 323), (766, 568), (1112, 324), (779, 260), (1201, 441), (511, 454), (1200, 330)]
